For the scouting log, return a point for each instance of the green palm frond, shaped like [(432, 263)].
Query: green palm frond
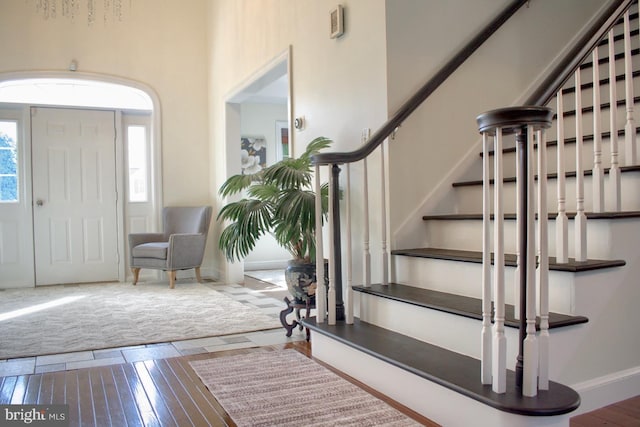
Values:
[(280, 200), (236, 184)]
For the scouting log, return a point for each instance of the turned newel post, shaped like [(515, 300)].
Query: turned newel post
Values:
[(495, 125)]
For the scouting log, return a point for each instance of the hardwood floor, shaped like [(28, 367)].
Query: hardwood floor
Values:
[(167, 392), (163, 392)]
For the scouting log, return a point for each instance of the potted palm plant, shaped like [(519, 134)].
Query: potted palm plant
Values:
[(279, 200)]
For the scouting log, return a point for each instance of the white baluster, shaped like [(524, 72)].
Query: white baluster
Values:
[(499, 362), (630, 126), (598, 174), (383, 218), (562, 223), (348, 303), (580, 219), (331, 296), (530, 345), (543, 267), (519, 261), (614, 172), (485, 369), (365, 225), (321, 292)]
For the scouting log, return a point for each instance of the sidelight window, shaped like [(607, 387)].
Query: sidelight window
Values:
[(8, 161)]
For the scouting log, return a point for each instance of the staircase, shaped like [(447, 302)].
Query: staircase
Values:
[(417, 337)]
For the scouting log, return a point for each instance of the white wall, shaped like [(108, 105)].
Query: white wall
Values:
[(260, 120), (160, 43), (338, 85), (440, 141)]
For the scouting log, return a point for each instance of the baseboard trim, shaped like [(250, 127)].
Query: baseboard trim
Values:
[(265, 265), (608, 389)]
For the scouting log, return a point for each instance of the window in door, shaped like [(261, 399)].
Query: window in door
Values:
[(8, 161)]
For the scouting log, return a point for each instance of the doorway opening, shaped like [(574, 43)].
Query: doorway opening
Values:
[(133, 155), (261, 108)]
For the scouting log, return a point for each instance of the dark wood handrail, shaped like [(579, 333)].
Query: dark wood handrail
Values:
[(414, 102), (579, 53)]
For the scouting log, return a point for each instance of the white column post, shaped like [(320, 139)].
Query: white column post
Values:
[(562, 223), (580, 219), (321, 307), (499, 362), (530, 345), (614, 172), (383, 219), (630, 126), (485, 344), (365, 231), (598, 173), (543, 267), (331, 296), (348, 303)]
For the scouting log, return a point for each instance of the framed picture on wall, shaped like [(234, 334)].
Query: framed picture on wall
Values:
[(253, 154), (283, 148)]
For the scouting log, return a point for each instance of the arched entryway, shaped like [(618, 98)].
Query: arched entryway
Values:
[(86, 172)]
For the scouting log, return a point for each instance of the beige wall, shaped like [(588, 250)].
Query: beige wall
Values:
[(440, 141), (160, 43), (338, 85)]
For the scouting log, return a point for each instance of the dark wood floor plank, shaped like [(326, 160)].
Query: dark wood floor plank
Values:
[(149, 417), (72, 398), (196, 416), (100, 407), (19, 390), (45, 394), (59, 387), (613, 415), (87, 416), (114, 406), (201, 391), (33, 390), (167, 395), (127, 400), (198, 393), (206, 403), (630, 407)]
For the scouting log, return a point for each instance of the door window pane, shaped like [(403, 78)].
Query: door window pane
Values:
[(137, 157), (8, 161)]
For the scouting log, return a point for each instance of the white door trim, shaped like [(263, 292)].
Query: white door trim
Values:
[(156, 146)]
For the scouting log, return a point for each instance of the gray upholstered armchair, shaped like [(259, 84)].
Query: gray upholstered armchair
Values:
[(179, 247)]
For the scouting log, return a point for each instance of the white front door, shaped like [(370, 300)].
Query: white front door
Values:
[(74, 195)]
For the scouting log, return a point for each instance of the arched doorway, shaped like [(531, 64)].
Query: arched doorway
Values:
[(41, 106)]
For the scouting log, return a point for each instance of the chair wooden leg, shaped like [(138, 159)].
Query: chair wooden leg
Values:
[(172, 278), (136, 274), (198, 277)]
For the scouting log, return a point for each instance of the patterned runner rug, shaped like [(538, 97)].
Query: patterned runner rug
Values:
[(285, 388), (59, 319)]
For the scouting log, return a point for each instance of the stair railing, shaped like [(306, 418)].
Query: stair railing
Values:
[(533, 359), (336, 308), (523, 123)]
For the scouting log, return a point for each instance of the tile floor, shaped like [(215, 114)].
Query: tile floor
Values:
[(264, 296)]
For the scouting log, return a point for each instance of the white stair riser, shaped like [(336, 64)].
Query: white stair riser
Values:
[(467, 235), (469, 198), (465, 278)]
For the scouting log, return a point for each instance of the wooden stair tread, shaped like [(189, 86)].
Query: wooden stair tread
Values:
[(552, 215), (572, 266), (457, 304), (455, 371)]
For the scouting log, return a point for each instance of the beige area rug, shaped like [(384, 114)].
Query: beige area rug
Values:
[(59, 319), (285, 388)]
